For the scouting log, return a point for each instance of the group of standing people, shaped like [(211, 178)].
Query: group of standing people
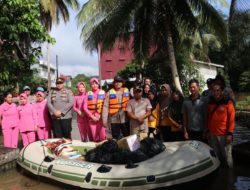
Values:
[(27, 119), (122, 112)]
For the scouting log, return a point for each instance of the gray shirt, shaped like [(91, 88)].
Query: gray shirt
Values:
[(61, 100), (196, 112)]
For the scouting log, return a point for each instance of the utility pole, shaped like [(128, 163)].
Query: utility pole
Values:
[(56, 66), (48, 65)]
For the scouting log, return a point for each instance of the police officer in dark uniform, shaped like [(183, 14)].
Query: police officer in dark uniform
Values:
[(60, 103)]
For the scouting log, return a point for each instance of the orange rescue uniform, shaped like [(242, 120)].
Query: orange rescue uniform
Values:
[(114, 104), (95, 106), (221, 118)]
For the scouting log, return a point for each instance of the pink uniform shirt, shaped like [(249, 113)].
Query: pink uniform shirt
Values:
[(27, 117), (43, 119), (78, 105), (9, 115)]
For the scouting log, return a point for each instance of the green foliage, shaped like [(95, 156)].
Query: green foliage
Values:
[(52, 11), (20, 35), (244, 81), (131, 70), (78, 78), (33, 80), (244, 104), (152, 24), (237, 52), (188, 70), (158, 70)]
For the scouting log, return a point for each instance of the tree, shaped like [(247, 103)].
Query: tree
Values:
[(237, 51), (52, 10), (20, 34), (154, 25), (76, 79)]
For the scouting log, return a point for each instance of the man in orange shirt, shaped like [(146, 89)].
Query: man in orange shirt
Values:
[(220, 124)]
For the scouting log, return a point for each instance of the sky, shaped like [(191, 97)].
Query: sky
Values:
[(73, 59)]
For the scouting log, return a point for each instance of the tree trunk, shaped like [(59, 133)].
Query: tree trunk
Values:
[(171, 54), (142, 68)]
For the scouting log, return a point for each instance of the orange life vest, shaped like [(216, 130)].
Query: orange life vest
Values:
[(95, 106), (114, 105)]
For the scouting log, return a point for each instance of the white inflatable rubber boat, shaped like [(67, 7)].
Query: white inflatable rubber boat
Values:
[(181, 162)]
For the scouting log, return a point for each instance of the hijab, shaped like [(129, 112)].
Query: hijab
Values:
[(165, 101)]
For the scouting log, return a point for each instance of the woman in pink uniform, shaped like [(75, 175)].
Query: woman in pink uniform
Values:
[(27, 120), (43, 118), (9, 120), (82, 120), (93, 104)]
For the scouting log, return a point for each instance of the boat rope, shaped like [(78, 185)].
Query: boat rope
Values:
[(24, 151), (46, 159)]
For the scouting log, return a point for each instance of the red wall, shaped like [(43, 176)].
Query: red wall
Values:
[(110, 62)]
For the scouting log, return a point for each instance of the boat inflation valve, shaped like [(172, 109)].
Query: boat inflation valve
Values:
[(50, 169), (88, 177), (104, 169), (150, 178), (48, 159)]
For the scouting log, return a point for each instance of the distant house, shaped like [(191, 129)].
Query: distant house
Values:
[(206, 69), (42, 69)]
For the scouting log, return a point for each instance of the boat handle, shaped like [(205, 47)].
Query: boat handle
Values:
[(88, 177), (50, 169)]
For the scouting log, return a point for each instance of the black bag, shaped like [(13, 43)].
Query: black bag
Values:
[(152, 146)]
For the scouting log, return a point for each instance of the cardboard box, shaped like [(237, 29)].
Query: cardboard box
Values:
[(131, 143)]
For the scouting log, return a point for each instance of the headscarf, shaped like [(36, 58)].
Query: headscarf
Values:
[(23, 95), (92, 80), (79, 83), (154, 101), (165, 101)]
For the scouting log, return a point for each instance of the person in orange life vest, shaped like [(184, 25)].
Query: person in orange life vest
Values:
[(220, 124), (9, 120), (43, 119), (82, 120), (93, 104), (27, 120), (114, 110)]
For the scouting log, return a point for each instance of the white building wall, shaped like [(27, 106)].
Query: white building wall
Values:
[(42, 69)]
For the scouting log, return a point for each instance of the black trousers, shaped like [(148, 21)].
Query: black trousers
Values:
[(151, 130), (196, 135), (119, 130), (62, 128), (165, 133)]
